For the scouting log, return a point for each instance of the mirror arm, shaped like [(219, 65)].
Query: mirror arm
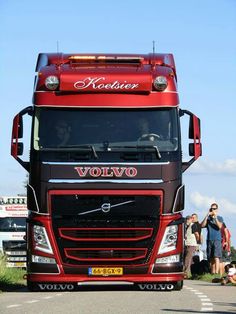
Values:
[(24, 164)]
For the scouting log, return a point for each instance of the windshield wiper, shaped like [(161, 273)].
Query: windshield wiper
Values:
[(155, 147), (73, 148)]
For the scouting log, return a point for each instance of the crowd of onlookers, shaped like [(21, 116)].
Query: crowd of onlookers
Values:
[(217, 247)]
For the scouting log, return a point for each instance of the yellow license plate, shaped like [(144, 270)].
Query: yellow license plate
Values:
[(20, 264), (105, 271)]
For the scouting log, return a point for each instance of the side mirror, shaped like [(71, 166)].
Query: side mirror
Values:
[(191, 131), (195, 148), (20, 149), (17, 147), (192, 151), (20, 127)]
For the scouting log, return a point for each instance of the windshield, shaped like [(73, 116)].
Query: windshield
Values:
[(105, 129), (12, 224)]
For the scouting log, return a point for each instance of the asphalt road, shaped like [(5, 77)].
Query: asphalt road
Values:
[(195, 297)]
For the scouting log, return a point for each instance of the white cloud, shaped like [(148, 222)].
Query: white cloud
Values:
[(227, 167), (200, 204), (203, 202)]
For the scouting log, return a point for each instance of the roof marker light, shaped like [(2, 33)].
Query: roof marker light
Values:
[(160, 83), (108, 59), (52, 82)]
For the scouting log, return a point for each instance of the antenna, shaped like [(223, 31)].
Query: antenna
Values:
[(58, 54), (57, 46), (153, 46)]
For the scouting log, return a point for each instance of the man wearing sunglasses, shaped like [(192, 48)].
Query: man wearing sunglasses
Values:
[(213, 223)]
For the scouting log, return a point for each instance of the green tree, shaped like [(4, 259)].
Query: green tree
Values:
[(233, 253)]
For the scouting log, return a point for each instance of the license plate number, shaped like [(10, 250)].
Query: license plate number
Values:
[(105, 271), (16, 264)]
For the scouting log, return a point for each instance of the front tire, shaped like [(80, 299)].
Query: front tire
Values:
[(178, 285), (32, 287)]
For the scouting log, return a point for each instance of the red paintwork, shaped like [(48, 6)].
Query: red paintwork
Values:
[(149, 277), (143, 253), (14, 137), (132, 83), (197, 137), (148, 233), (51, 99)]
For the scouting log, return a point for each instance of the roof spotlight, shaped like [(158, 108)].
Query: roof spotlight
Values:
[(52, 82), (160, 83)]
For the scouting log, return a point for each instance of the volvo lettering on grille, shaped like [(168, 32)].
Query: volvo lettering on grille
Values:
[(106, 172)]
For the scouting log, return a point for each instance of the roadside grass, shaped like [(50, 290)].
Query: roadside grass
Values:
[(206, 277), (210, 278), (10, 278)]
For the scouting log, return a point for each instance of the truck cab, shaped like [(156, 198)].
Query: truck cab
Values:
[(105, 188)]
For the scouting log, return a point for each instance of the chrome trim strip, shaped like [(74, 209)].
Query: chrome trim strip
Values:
[(103, 282), (106, 163), (176, 195), (35, 197), (144, 181)]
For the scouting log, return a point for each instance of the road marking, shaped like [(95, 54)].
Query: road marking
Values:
[(31, 301), (207, 304), (206, 309), (13, 305), (46, 298)]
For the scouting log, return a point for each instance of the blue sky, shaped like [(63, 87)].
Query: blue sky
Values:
[(200, 34)]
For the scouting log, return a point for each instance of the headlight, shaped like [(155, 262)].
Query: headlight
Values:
[(10, 200), (52, 82), (169, 240), (41, 240)]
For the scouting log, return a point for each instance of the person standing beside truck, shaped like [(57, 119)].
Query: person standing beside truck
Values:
[(213, 223), (191, 237), (199, 236), (226, 250)]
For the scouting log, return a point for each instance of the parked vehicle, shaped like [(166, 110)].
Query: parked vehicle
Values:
[(13, 213)]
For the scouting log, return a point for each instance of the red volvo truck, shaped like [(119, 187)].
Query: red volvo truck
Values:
[(105, 189)]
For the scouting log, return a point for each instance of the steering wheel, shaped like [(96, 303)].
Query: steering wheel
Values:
[(149, 137)]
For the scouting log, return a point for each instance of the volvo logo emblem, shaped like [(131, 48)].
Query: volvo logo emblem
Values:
[(106, 207)]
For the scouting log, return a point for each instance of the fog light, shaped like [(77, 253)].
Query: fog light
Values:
[(43, 259), (160, 83), (52, 82)]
